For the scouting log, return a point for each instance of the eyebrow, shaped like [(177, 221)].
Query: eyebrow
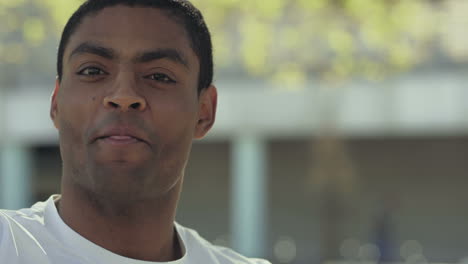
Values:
[(87, 47), (143, 57), (158, 54)]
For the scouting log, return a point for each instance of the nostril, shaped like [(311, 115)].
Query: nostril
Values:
[(113, 104), (135, 105), (124, 103)]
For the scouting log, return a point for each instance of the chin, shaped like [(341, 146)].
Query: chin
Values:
[(132, 182)]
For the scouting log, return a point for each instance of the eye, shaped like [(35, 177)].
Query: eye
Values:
[(91, 71), (160, 77)]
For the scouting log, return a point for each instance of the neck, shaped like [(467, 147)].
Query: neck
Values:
[(141, 230)]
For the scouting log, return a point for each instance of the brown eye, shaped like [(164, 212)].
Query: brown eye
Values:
[(160, 77), (91, 71)]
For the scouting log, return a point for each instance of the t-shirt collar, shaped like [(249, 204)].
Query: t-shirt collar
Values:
[(87, 249)]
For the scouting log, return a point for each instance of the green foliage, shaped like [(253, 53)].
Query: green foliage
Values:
[(29, 35), (28, 23), (60, 11), (287, 41), (290, 41)]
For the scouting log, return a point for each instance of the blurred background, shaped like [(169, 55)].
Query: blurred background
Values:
[(341, 135)]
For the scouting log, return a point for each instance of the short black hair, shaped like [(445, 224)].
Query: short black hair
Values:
[(181, 10)]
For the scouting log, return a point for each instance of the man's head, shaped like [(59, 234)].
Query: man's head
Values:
[(181, 11), (131, 96)]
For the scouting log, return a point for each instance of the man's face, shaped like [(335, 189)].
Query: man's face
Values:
[(127, 108)]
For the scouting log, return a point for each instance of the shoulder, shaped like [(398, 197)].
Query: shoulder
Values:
[(200, 250), (17, 221), (3, 223), (18, 239), (20, 232), (6, 217)]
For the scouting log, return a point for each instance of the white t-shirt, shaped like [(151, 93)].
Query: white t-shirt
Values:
[(38, 235)]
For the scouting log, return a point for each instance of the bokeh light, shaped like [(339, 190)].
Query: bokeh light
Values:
[(411, 248), (285, 249), (350, 249), (369, 252)]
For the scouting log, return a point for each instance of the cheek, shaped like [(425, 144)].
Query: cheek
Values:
[(174, 119), (176, 111), (75, 110), (71, 142), (71, 148)]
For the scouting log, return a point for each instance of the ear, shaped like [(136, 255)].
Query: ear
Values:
[(207, 103), (53, 104)]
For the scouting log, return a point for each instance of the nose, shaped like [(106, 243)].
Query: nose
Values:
[(125, 103), (125, 99)]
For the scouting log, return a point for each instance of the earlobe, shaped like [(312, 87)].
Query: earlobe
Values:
[(53, 104), (208, 101)]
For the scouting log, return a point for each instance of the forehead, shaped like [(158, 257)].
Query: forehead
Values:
[(132, 29)]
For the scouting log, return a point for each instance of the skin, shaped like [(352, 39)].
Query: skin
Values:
[(119, 192)]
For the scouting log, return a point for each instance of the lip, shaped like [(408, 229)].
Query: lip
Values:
[(120, 135), (120, 140)]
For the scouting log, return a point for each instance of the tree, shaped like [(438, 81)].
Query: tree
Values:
[(291, 41), (29, 36), (286, 41)]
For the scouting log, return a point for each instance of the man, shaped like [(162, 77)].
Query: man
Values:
[(134, 88)]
